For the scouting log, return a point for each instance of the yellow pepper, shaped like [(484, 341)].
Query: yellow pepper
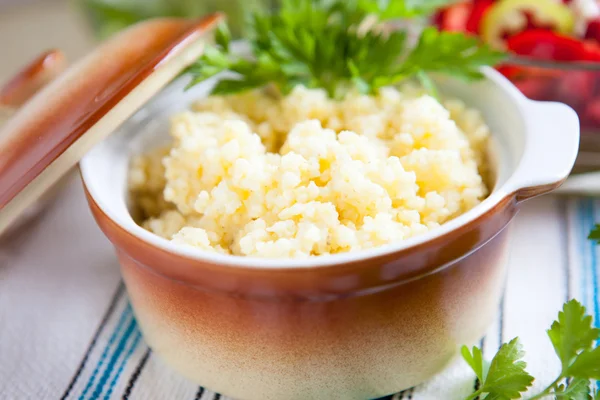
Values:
[(509, 16)]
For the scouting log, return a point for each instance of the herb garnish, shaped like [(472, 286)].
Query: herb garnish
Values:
[(339, 45), (573, 338), (595, 234)]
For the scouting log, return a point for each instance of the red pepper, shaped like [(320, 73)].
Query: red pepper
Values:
[(592, 51), (575, 88), (512, 72), (521, 72), (546, 45), (593, 30), (454, 17), (507, 18), (535, 88), (591, 115), (478, 10)]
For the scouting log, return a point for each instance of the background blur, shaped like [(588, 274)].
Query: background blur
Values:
[(28, 27), (546, 63)]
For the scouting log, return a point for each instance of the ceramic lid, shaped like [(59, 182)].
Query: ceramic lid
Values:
[(48, 134)]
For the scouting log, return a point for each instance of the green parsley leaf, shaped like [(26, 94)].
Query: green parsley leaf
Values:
[(595, 233), (577, 389), (337, 46), (586, 365), (475, 360), (452, 53), (573, 338), (506, 378), (392, 9), (572, 333), (223, 36)]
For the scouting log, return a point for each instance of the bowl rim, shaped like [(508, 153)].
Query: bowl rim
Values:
[(497, 196)]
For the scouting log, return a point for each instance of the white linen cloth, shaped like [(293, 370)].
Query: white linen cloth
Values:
[(67, 331)]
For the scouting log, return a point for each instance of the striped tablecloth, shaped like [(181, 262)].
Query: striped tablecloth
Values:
[(67, 330)]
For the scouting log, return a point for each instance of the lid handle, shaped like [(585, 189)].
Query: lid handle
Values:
[(33, 77)]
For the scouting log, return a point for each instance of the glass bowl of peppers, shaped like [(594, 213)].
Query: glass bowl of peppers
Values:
[(553, 51)]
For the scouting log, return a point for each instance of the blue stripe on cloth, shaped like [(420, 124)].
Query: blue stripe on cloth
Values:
[(581, 222), (113, 338), (590, 276), (134, 345), (595, 272), (589, 280), (115, 357)]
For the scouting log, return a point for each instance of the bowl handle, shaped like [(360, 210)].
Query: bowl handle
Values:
[(550, 148)]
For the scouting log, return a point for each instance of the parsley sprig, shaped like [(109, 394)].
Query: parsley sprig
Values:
[(339, 45), (574, 339), (389, 9), (595, 234)]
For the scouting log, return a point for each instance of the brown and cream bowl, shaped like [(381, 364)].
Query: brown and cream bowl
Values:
[(357, 325)]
